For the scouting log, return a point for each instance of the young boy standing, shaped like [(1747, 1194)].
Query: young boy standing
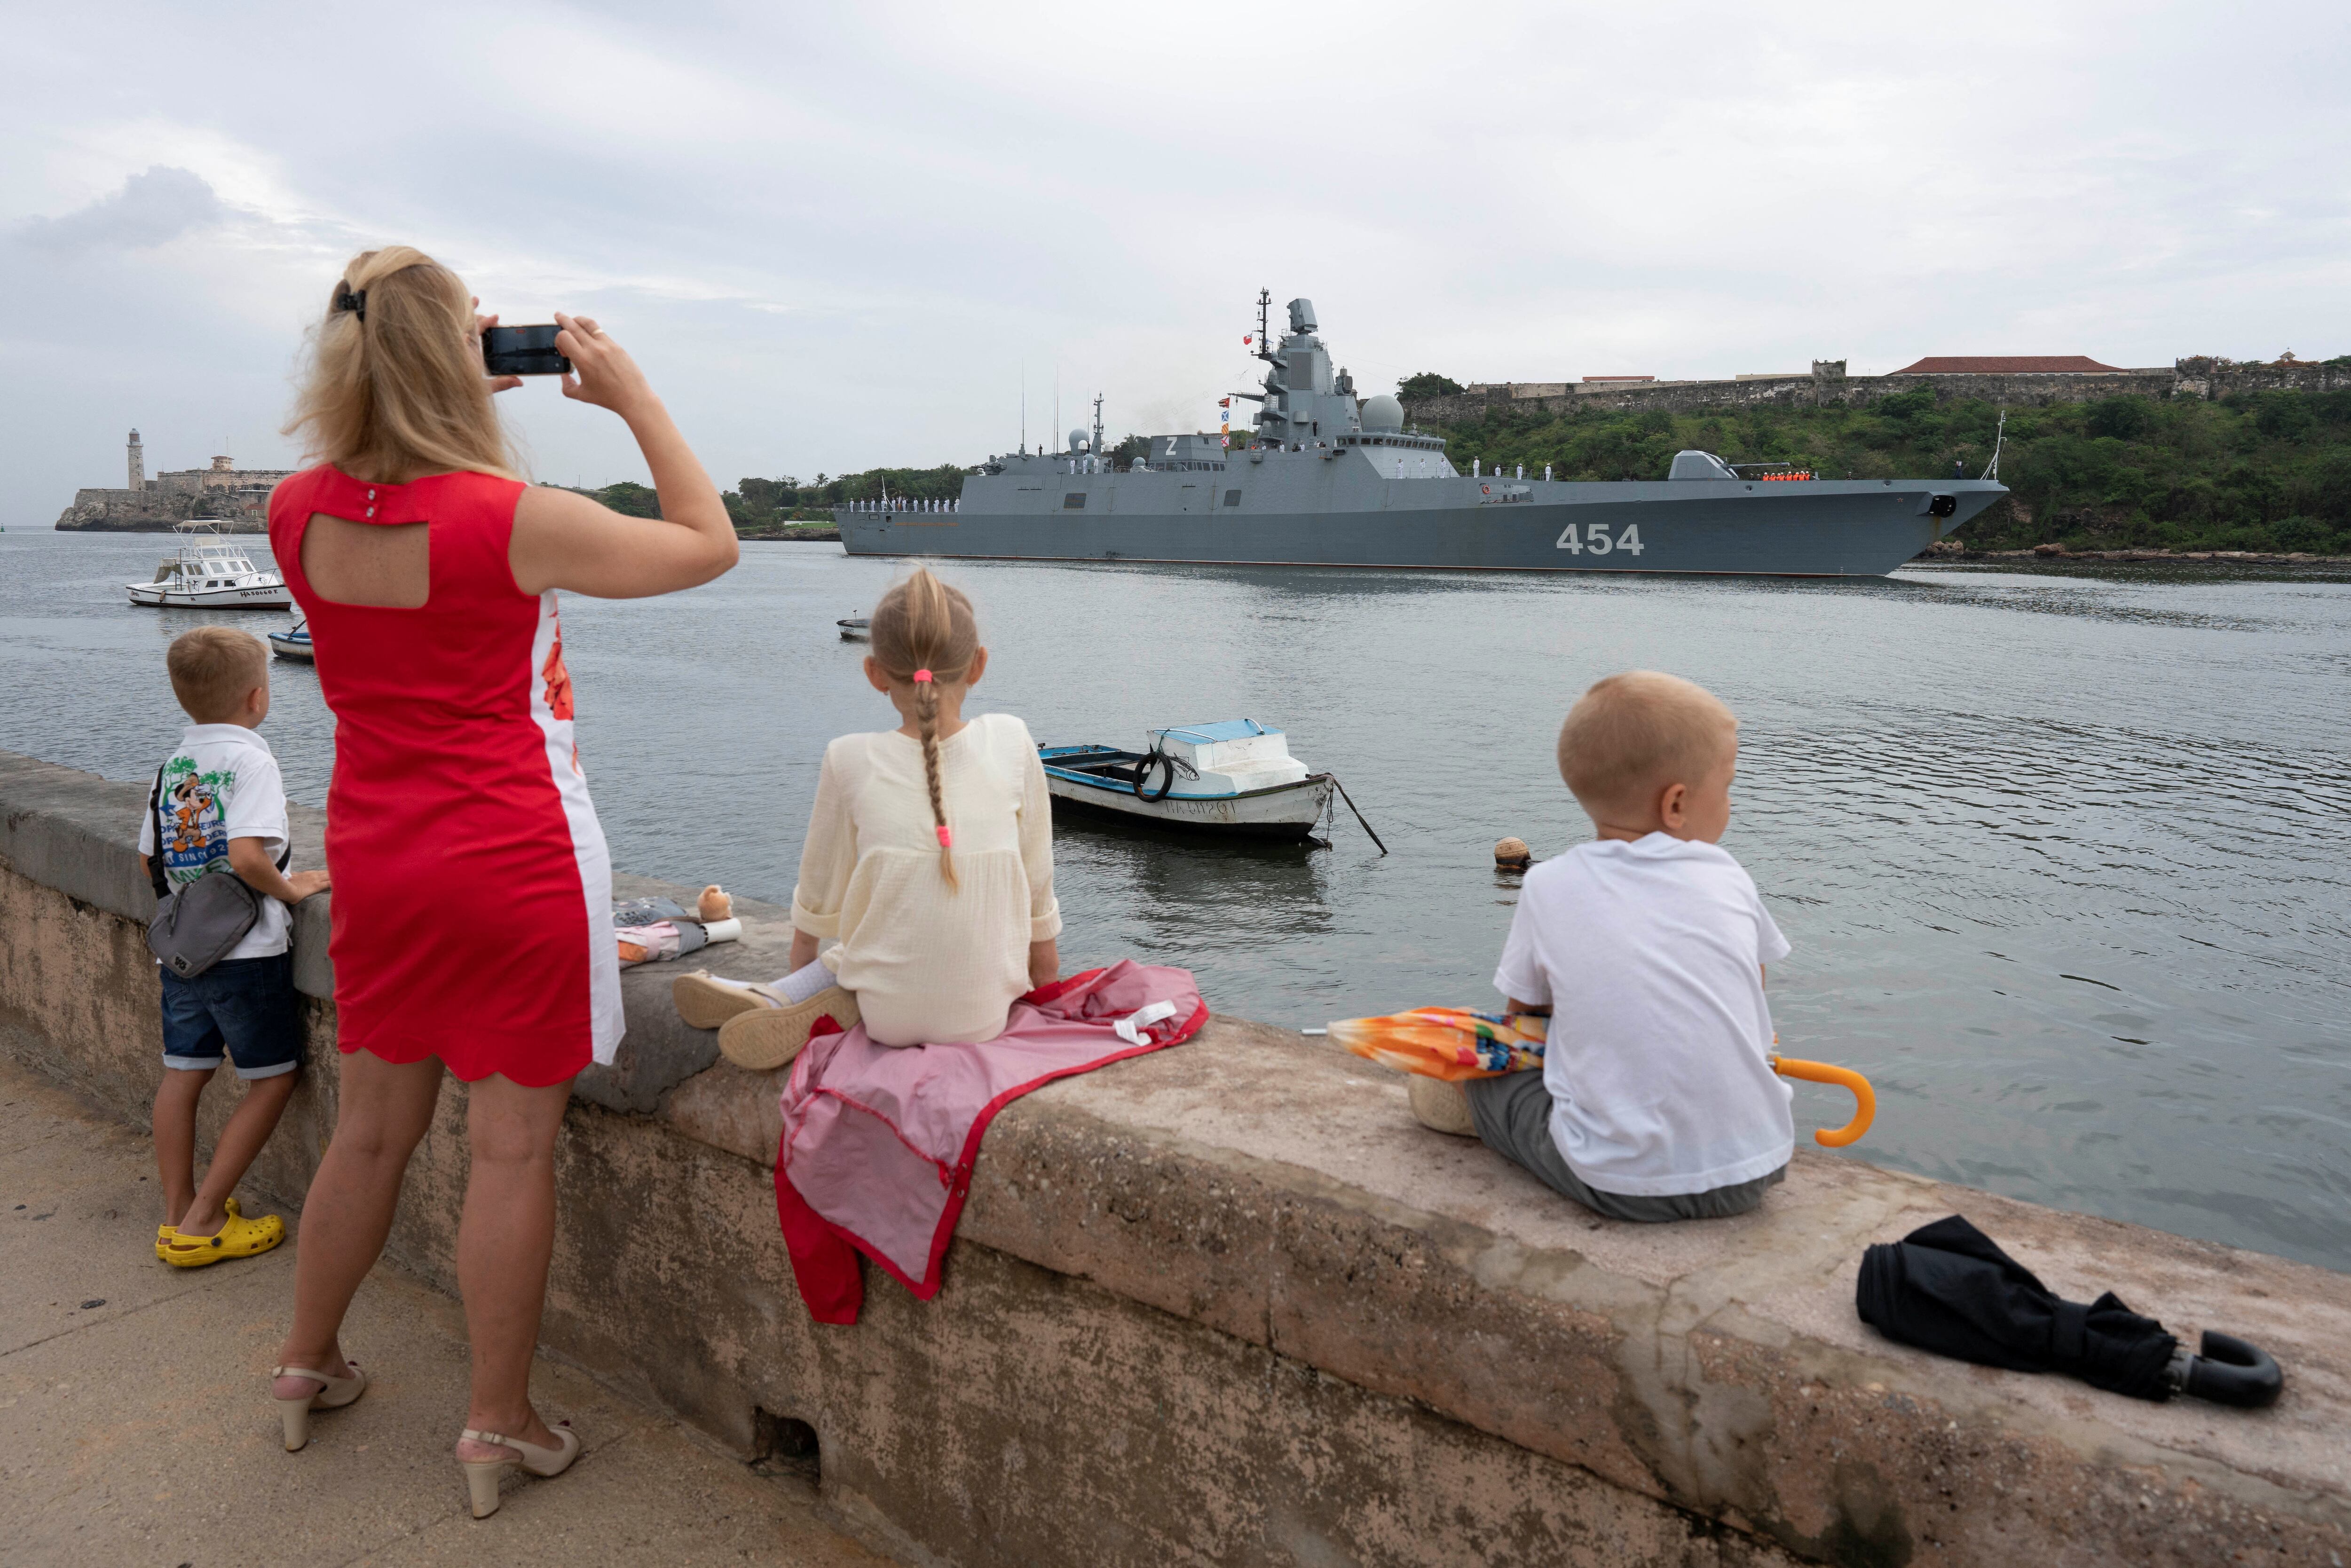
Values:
[(1656, 1099), (220, 810)]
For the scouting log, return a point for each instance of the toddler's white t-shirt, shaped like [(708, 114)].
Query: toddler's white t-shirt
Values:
[(219, 783), (1657, 1062)]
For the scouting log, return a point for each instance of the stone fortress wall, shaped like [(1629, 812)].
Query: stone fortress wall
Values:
[(236, 498), (1827, 385)]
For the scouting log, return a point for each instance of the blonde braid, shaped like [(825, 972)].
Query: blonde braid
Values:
[(924, 632), (926, 714)]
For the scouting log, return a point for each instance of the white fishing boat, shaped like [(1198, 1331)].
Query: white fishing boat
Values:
[(294, 643), (856, 628), (211, 572), (1235, 777)]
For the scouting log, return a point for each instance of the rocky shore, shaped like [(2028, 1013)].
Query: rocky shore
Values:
[(1957, 550), (768, 535)]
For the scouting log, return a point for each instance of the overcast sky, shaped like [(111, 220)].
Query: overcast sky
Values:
[(836, 235)]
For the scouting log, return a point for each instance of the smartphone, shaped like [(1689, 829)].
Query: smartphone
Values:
[(523, 351)]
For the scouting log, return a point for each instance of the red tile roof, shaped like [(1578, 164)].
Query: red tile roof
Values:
[(2009, 365)]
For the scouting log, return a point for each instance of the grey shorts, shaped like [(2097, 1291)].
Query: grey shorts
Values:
[(1514, 1117)]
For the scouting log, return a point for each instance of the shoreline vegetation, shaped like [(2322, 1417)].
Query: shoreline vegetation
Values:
[(2250, 479), (2264, 474)]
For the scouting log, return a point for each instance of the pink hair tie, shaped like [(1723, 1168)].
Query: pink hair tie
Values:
[(921, 674), (946, 839)]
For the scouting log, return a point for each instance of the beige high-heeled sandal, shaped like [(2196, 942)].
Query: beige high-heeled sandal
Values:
[(483, 1476), (333, 1394)]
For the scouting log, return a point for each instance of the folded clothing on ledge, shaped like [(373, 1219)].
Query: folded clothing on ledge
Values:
[(879, 1142), (652, 929)]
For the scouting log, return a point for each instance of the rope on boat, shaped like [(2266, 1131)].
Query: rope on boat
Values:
[(1351, 807)]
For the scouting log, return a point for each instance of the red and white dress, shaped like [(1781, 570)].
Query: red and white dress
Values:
[(473, 896)]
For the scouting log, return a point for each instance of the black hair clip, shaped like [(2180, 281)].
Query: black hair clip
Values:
[(351, 299)]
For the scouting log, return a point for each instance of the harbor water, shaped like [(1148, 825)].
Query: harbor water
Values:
[(2066, 859)]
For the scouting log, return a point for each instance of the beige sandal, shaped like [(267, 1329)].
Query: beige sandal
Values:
[(483, 1476), (1441, 1106), (333, 1394), (705, 1002), (765, 1038)]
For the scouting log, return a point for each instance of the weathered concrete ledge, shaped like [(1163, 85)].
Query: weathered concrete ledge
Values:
[(1228, 1304)]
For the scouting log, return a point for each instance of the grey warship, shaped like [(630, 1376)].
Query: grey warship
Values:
[(1329, 480)]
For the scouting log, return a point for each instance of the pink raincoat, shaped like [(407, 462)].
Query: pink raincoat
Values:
[(878, 1141)]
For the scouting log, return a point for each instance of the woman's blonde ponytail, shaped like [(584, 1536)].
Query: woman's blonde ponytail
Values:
[(924, 632), (395, 389)]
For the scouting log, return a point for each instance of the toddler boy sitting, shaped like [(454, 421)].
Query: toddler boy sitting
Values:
[(219, 810), (1656, 1099)]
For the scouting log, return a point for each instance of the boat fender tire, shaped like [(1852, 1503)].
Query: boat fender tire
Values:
[(1166, 766), (2230, 1371)]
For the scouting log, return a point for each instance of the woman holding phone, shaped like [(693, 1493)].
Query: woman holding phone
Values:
[(472, 913)]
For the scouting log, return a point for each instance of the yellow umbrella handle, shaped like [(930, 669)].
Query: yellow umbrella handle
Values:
[(1865, 1098)]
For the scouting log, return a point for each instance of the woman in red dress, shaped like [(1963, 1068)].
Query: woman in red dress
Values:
[(471, 914)]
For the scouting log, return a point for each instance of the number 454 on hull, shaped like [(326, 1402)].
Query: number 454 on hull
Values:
[(1326, 480)]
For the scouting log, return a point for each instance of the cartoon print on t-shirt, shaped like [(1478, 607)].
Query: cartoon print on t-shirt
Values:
[(195, 812)]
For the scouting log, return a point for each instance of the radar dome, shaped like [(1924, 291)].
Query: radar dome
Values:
[(1383, 413), (1077, 440)]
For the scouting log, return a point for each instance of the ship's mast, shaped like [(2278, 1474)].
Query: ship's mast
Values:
[(1097, 432), (1264, 342)]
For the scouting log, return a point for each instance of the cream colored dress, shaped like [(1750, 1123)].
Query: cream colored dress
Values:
[(930, 963)]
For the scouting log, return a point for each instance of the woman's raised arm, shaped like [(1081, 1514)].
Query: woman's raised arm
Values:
[(563, 539)]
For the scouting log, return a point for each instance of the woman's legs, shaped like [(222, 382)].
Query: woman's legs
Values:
[(503, 1246), (384, 1112)]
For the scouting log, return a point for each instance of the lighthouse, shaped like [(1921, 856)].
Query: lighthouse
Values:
[(137, 464)]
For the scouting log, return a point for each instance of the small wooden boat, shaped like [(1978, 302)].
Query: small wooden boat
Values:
[(859, 629), (293, 643), (1235, 777)]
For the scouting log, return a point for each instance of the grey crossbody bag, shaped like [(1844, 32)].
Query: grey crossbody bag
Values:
[(196, 927)]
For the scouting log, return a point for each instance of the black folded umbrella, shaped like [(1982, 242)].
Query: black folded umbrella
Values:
[(1948, 1288)]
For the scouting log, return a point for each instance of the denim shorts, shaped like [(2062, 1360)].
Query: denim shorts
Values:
[(246, 1006)]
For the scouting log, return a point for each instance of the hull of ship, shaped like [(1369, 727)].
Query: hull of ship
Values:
[(1285, 811), (272, 597), (1822, 529)]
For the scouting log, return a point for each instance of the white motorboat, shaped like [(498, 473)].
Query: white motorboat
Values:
[(1235, 777), (211, 572), (294, 643), (856, 628)]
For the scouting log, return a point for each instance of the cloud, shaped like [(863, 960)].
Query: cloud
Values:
[(160, 204)]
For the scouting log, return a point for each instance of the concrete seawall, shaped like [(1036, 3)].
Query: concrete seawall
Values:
[(1227, 1303)]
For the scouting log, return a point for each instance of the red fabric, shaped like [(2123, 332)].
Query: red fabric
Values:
[(885, 1139), (462, 925)]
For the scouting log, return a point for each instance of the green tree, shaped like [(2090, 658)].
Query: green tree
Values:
[(1426, 386)]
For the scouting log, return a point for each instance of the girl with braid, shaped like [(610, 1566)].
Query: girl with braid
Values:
[(929, 856)]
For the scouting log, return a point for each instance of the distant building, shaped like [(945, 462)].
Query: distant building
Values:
[(236, 498), (1593, 379), (2010, 365), (1516, 389)]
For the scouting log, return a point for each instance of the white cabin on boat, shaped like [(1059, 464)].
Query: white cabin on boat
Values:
[(1232, 756)]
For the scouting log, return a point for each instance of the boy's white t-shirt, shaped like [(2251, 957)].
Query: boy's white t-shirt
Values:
[(222, 782), (1648, 952)]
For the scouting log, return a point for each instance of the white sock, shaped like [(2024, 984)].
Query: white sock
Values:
[(803, 982)]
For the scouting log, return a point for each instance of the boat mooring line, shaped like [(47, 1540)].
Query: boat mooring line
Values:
[(1351, 806)]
